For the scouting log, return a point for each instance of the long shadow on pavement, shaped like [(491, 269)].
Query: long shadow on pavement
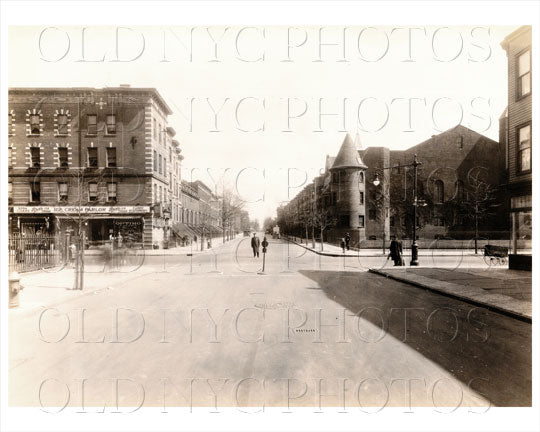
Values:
[(485, 350)]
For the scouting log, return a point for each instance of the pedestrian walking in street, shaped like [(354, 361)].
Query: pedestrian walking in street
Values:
[(396, 251), (343, 245), (255, 245), (348, 241)]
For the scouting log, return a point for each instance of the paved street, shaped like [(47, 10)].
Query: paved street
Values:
[(208, 330)]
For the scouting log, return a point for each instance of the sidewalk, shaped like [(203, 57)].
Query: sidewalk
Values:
[(335, 251), (194, 249), (506, 291)]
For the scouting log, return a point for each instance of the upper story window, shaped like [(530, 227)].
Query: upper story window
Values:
[(111, 191), (62, 192), (111, 124), (63, 157), (92, 157), (35, 157), (524, 148), (11, 123), (361, 177), (165, 166), (92, 191), (155, 161), (35, 192), (35, 124), (361, 197), (62, 124), (91, 124), (111, 157), (160, 164), (524, 74), (155, 128)]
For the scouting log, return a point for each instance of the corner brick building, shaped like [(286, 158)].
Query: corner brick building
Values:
[(375, 210), (104, 156)]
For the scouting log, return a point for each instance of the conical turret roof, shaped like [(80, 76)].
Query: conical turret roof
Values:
[(348, 156)]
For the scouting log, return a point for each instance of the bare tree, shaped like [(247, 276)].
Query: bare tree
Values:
[(324, 218)]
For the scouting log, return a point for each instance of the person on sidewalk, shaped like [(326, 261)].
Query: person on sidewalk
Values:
[(343, 245), (255, 244), (348, 241), (396, 251)]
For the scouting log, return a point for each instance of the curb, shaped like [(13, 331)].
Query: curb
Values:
[(508, 312), (380, 255)]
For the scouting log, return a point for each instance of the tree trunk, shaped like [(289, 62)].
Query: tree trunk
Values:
[(322, 239)]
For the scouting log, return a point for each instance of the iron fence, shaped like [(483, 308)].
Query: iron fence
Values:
[(35, 252)]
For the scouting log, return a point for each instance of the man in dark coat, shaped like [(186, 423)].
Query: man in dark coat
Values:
[(255, 244), (348, 241), (396, 250)]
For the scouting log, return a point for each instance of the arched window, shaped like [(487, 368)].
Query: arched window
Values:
[(361, 178), (439, 191)]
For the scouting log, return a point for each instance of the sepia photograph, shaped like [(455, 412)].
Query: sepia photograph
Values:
[(268, 216)]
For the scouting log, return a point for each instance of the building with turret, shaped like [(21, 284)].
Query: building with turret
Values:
[(368, 193)]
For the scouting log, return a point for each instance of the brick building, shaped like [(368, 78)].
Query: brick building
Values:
[(515, 128), (99, 157), (347, 199)]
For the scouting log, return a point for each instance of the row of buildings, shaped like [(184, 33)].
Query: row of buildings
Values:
[(105, 162), (467, 184)]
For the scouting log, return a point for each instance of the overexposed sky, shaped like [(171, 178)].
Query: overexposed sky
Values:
[(279, 99)]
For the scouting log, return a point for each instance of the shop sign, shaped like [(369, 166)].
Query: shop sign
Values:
[(82, 210)]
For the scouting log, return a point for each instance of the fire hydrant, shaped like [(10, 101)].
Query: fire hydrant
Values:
[(14, 288)]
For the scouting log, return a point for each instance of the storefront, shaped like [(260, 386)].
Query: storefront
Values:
[(521, 214), (98, 223)]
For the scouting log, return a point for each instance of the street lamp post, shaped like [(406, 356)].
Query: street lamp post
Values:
[(376, 182), (414, 246)]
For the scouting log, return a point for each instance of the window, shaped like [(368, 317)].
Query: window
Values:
[(361, 197), (524, 74), (35, 192), (92, 191), (155, 193), (335, 177), (62, 192), (62, 124), (524, 148), (111, 191), (11, 124), (34, 124), (155, 161), (155, 128), (160, 164), (361, 177), (111, 124), (91, 124), (92, 157), (361, 222), (372, 214), (63, 157), (439, 191), (111, 156), (35, 157), (165, 166)]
